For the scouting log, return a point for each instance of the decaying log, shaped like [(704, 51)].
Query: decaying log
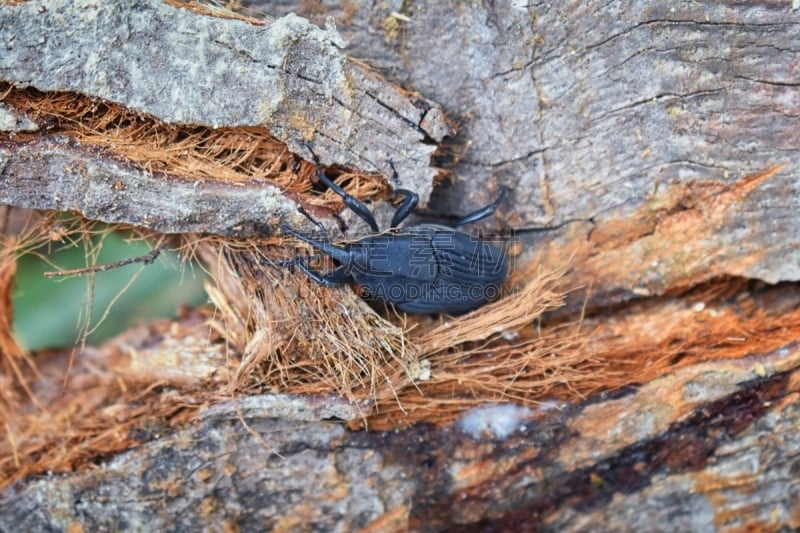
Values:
[(619, 124), (660, 140)]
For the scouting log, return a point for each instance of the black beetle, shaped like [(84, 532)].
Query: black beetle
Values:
[(426, 268)]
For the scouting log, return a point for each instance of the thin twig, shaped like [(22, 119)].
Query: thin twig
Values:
[(147, 259)]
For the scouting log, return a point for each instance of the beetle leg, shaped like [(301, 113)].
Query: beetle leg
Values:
[(483, 212), (355, 205), (336, 277), (408, 205), (342, 255)]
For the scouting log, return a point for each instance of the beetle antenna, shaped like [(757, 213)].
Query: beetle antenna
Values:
[(483, 212)]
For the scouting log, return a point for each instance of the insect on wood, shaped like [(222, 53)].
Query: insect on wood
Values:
[(425, 268)]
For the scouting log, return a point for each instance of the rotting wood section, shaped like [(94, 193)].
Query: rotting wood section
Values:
[(666, 153), (704, 442)]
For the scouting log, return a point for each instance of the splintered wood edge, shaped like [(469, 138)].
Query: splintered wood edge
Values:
[(62, 175), (182, 67)]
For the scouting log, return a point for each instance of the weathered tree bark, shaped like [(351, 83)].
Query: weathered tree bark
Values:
[(60, 175), (711, 447), (288, 75), (645, 133), (626, 118)]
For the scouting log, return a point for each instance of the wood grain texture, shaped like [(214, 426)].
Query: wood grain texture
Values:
[(662, 139), (181, 67)]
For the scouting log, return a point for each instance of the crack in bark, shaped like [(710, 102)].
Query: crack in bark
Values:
[(654, 99), (524, 157), (396, 113), (680, 22), (774, 83), (523, 68), (56, 173)]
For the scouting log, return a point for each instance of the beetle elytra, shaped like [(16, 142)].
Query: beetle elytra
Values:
[(425, 268)]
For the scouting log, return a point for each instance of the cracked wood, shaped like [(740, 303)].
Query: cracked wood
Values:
[(690, 440), (595, 111), (62, 175), (181, 67)]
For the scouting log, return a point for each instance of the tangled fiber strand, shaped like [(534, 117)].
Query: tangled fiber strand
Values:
[(481, 357), (302, 338)]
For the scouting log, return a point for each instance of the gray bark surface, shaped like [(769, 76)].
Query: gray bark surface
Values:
[(62, 175)]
